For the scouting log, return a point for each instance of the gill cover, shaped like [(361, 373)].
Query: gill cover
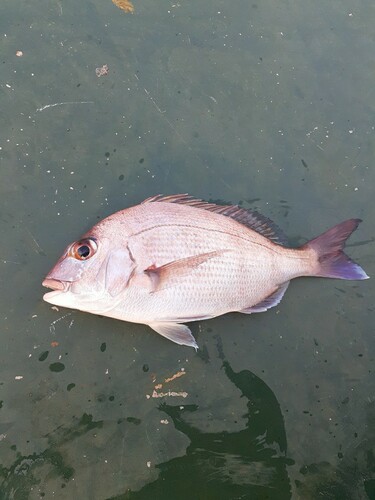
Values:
[(116, 271)]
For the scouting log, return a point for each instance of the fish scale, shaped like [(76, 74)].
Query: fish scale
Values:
[(176, 259)]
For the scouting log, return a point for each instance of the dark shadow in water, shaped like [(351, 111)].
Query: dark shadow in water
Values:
[(17, 480), (354, 476), (248, 464)]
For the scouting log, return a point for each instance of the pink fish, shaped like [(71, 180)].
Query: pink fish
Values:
[(175, 259)]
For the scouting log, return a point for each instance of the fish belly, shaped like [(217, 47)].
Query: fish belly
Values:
[(231, 282)]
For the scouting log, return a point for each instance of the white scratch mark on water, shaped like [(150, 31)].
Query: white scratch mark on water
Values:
[(177, 133), (153, 101), (52, 328), (62, 104), (36, 243)]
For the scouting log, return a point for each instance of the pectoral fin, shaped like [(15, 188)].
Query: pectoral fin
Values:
[(180, 334), (171, 274)]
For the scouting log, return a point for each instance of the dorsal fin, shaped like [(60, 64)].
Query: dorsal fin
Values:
[(249, 218)]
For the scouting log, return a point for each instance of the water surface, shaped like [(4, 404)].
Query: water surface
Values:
[(267, 104)]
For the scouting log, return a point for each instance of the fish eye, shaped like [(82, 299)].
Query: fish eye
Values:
[(83, 249)]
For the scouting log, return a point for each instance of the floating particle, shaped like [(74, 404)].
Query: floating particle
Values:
[(102, 71), (176, 375), (156, 394), (19, 53), (124, 5)]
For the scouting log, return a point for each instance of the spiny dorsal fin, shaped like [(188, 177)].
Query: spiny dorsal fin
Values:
[(249, 218)]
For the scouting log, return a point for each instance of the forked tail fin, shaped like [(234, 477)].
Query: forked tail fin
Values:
[(333, 262)]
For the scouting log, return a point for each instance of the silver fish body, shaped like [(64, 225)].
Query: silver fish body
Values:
[(174, 259)]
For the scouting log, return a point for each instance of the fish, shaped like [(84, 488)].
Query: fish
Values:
[(176, 259)]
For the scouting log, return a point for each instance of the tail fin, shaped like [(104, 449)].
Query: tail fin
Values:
[(333, 262)]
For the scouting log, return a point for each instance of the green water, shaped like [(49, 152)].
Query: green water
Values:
[(269, 104)]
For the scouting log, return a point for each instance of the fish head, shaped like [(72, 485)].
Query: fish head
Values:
[(89, 275)]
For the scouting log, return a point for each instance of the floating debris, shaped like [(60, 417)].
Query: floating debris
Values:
[(172, 394), (102, 71), (176, 375), (157, 387), (124, 5)]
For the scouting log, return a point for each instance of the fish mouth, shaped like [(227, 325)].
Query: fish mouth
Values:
[(60, 290), (56, 285)]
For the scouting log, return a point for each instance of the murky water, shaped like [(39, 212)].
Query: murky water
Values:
[(270, 104)]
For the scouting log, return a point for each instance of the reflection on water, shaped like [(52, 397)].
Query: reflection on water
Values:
[(250, 463), (353, 479), (28, 471)]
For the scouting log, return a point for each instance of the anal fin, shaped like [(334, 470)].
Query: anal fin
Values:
[(270, 301), (180, 334)]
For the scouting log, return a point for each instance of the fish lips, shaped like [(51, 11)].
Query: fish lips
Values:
[(54, 284)]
